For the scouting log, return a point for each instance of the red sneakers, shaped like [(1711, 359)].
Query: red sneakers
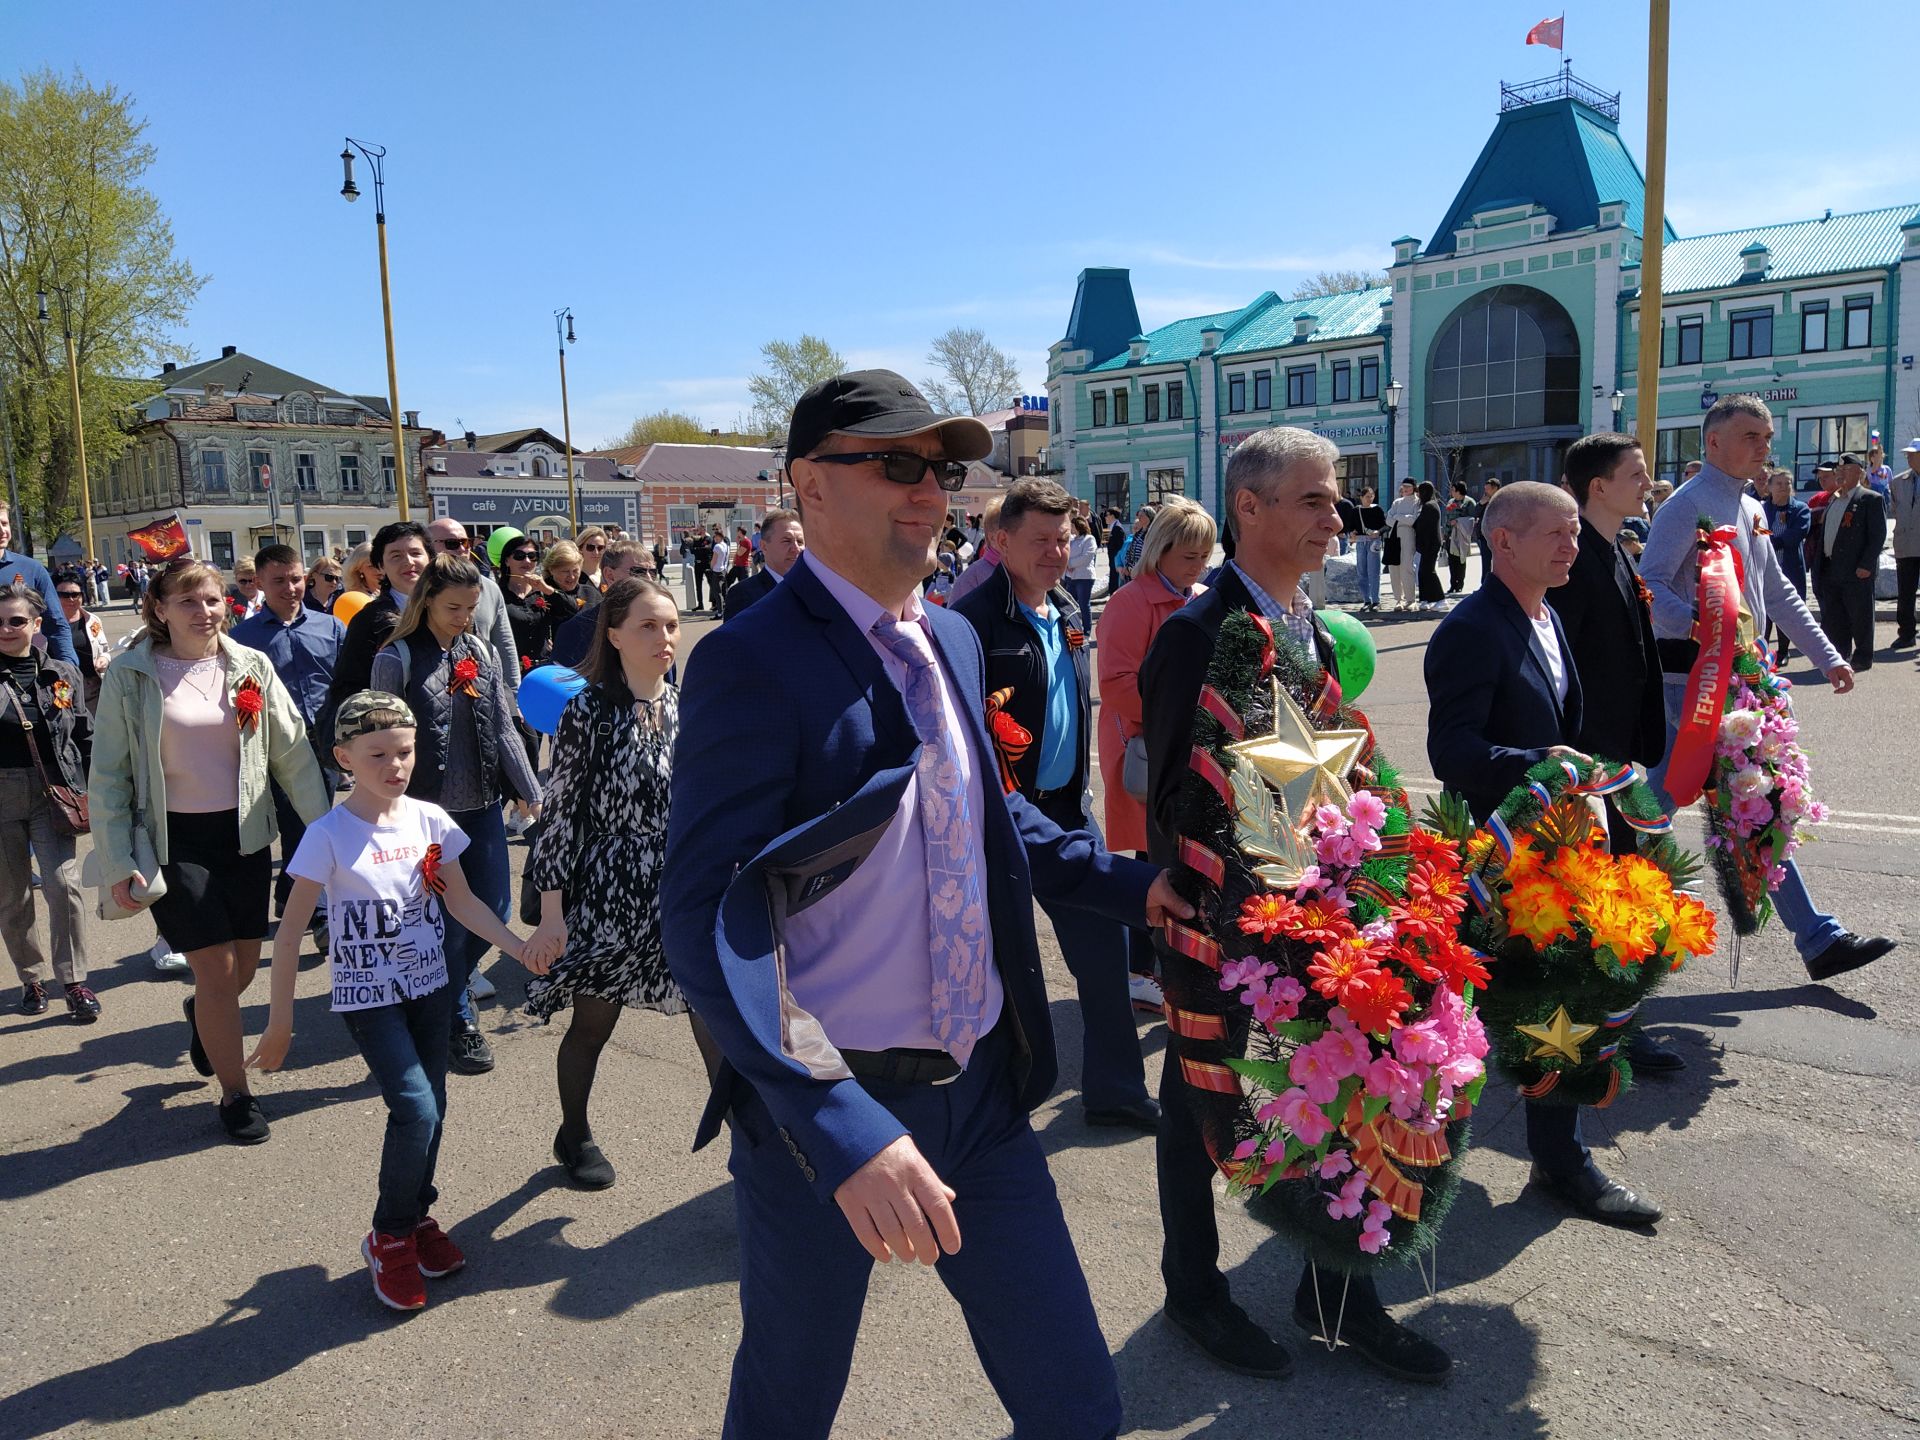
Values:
[(395, 1263), (437, 1254)]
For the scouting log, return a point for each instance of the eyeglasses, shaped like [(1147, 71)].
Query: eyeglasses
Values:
[(903, 467), (461, 544), (528, 555), (69, 594), (595, 548), (15, 622)]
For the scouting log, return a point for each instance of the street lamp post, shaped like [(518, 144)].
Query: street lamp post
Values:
[(1619, 401), (79, 426), (563, 337), (374, 155), (1392, 401)]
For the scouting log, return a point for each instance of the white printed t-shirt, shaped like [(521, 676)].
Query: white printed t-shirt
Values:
[(388, 931)]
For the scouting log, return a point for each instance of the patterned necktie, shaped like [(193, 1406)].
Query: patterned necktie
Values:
[(957, 909)]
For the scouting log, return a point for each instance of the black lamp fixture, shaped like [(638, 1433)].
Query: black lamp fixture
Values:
[(349, 191), (1619, 402), (41, 296), (1393, 396)]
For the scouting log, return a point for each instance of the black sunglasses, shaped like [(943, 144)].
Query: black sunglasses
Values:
[(903, 467), (461, 544), (69, 594), (523, 555), (15, 622)]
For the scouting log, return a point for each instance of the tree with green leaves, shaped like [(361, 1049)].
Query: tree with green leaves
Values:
[(973, 375), (669, 427), (1337, 282), (792, 366), (76, 222)]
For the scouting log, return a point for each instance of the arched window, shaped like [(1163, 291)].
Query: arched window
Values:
[(539, 466), (1508, 359)]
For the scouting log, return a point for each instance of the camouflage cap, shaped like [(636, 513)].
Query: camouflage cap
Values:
[(368, 711)]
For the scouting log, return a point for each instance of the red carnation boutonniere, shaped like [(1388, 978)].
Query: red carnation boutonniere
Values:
[(466, 670), (1076, 639), (62, 695), (538, 602), (526, 664), (248, 702), (430, 870), (238, 607)]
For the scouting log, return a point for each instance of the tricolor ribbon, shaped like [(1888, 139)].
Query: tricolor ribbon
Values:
[(1717, 631), (1658, 825), (1617, 1018)]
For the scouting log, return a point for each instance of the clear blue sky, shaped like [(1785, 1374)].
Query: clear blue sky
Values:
[(697, 179)]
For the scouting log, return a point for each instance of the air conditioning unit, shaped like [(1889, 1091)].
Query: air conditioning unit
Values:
[(438, 465)]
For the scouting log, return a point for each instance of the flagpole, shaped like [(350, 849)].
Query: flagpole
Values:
[(1653, 234)]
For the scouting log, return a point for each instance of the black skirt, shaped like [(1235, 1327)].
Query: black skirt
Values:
[(215, 895)]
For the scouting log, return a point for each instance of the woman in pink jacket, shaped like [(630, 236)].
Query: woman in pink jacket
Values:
[(1176, 553)]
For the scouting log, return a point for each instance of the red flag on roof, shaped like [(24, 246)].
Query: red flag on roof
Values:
[(161, 540), (1548, 32)]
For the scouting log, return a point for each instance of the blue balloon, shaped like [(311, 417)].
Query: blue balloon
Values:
[(544, 694)]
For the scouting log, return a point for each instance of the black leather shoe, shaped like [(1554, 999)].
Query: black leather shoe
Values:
[(196, 1052), (1649, 1057), (1142, 1115), (1379, 1339), (33, 998), (1593, 1195), (586, 1164), (469, 1053), (1231, 1339), (1849, 952)]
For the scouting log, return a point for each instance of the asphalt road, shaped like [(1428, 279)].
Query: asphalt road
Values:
[(162, 1283)]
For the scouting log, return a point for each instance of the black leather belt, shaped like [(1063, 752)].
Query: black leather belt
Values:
[(903, 1067)]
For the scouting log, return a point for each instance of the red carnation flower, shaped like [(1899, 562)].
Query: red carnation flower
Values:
[(465, 671), (248, 702)]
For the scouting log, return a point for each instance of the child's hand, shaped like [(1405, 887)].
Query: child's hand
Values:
[(271, 1052), (540, 949)]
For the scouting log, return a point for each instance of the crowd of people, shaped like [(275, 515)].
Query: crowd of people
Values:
[(827, 844)]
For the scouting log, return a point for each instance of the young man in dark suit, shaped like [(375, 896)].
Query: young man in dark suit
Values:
[(1847, 539), (847, 902), (1606, 618), (1282, 503), (781, 541), (1039, 685), (1504, 693)]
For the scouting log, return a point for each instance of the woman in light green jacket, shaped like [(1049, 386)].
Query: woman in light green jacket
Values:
[(191, 727)]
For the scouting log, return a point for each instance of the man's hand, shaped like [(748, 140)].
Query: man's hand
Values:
[(898, 1208), (1863, 574), (1841, 677), (1164, 902), (1567, 752)]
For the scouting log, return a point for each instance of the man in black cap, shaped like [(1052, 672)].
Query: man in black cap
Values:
[(848, 904)]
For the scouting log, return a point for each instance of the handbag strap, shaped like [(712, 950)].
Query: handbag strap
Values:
[(27, 725)]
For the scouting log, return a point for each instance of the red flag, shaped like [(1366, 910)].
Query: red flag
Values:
[(161, 540), (1548, 32)]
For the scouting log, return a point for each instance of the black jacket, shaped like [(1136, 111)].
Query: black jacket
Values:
[(1016, 662), (367, 634), (1863, 535), (68, 753), (1610, 632), (743, 594), (1491, 710), (1171, 678)]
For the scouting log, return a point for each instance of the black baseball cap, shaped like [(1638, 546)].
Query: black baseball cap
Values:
[(883, 405), (1852, 459)]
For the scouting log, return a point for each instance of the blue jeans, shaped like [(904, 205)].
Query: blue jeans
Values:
[(1366, 562), (405, 1046), (1082, 593), (1813, 930), (484, 863)]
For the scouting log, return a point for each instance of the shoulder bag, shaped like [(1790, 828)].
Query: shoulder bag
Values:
[(1133, 769)]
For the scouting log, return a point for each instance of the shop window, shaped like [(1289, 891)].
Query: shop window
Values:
[(1358, 472), (1813, 327), (1342, 381), (220, 549), (1164, 483), (1673, 450), (1176, 400), (1301, 386), (1688, 345), (1819, 438), (1859, 322), (1099, 408), (1750, 334), (1263, 389), (349, 474), (1113, 491), (1149, 403), (1369, 379), (1120, 407), (1236, 394), (305, 477)]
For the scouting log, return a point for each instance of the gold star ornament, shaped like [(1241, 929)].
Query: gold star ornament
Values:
[(1559, 1036), (1308, 767)]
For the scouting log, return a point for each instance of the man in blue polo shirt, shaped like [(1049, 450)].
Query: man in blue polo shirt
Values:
[(304, 646), (1039, 712), (16, 568)]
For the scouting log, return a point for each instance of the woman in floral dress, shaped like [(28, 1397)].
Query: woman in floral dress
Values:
[(597, 861)]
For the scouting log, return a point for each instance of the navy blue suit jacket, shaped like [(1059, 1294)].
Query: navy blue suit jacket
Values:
[(1491, 711), (786, 714)]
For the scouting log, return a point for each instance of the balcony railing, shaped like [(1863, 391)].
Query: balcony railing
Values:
[(1564, 85)]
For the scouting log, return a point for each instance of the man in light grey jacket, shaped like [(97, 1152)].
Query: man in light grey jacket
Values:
[(1903, 509), (490, 615), (1737, 435)]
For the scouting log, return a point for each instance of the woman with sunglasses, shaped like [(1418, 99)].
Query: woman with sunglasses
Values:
[(323, 583), (46, 736), (468, 755), (530, 611), (360, 583), (89, 635), (592, 543)]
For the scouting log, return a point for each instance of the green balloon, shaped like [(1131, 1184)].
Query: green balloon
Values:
[(1353, 651)]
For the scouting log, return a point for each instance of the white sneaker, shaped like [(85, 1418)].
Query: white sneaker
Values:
[(1145, 992), (480, 987), (167, 960), (516, 822)]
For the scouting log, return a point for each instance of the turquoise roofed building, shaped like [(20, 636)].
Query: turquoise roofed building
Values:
[(1507, 334)]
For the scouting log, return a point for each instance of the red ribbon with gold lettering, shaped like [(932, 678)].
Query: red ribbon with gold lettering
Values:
[(1717, 631)]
